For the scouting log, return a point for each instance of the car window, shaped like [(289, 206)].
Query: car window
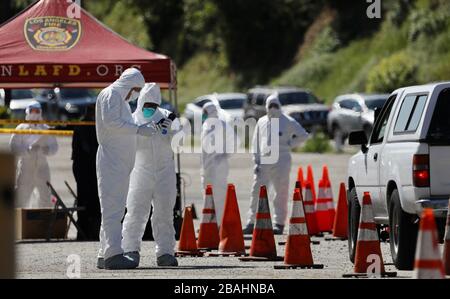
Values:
[(231, 104), (350, 105), (439, 130), (261, 99), (373, 104), (19, 94), (250, 98), (202, 103), (293, 98), (410, 114), (381, 123)]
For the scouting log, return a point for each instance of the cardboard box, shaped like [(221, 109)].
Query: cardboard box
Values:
[(7, 254), (34, 224)]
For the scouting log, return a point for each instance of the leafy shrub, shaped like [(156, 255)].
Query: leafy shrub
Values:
[(319, 143), (427, 22), (327, 42), (391, 73)]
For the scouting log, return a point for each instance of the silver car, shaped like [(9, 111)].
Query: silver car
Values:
[(353, 112)]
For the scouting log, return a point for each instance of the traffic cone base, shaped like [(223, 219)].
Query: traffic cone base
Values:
[(313, 242)]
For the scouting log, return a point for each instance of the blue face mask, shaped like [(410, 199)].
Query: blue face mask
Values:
[(148, 112), (204, 117)]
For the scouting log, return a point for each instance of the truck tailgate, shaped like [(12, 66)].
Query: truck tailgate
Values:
[(440, 170)]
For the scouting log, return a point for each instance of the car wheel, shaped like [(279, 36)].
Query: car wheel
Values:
[(354, 213), (403, 234)]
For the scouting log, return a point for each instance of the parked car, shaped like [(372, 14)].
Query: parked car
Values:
[(298, 103), (20, 99), (353, 112), (231, 103), (405, 165)]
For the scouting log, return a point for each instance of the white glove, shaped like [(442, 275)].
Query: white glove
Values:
[(147, 130)]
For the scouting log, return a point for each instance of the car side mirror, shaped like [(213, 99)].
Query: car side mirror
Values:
[(377, 112), (358, 138)]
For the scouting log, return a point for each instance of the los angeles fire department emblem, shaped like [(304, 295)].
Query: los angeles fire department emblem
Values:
[(52, 33)]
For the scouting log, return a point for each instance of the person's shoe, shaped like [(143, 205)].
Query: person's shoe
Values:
[(134, 255), (100, 263), (248, 230), (120, 262), (278, 229), (167, 260)]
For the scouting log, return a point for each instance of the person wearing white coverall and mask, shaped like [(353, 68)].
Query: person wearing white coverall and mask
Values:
[(215, 166), (32, 169), (153, 181), (116, 134), (291, 135)]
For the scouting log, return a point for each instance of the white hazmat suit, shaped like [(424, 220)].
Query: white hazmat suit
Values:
[(215, 166), (291, 134), (116, 134), (32, 169), (153, 181)]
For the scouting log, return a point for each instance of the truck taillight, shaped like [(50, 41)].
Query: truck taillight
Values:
[(421, 171)]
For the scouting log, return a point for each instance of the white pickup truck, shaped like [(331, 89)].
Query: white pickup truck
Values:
[(405, 165)]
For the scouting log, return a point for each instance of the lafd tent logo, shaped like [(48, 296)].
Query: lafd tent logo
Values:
[(52, 33)]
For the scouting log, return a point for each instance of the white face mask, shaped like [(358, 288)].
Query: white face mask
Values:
[(274, 112), (33, 116)]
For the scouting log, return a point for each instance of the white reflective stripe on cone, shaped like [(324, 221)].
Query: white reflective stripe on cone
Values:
[(325, 193), (426, 250), (263, 224), (297, 210), (367, 214), (298, 229), (209, 202), (322, 206), (209, 218), (330, 205), (308, 196), (309, 209), (263, 206), (367, 235)]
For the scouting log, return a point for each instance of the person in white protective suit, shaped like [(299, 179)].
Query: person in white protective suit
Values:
[(153, 181), (291, 134), (217, 140), (33, 171), (116, 135)]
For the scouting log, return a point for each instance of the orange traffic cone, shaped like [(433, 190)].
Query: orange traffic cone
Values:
[(325, 207), (300, 177), (340, 226), (187, 245), (208, 236), (263, 242), (428, 263), (310, 178), (311, 216), (447, 243), (325, 175), (368, 250), (231, 237), (298, 247)]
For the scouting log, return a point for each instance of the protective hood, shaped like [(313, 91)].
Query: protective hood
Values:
[(130, 78), (33, 116), (273, 99), (151, 93), (211, 109)]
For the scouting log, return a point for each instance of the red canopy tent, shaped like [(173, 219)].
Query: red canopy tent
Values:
[(49, 45)]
